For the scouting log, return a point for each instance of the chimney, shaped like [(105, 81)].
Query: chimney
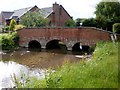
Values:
[(55, 7)]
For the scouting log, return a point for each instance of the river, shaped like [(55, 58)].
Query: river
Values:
[(32, 63)]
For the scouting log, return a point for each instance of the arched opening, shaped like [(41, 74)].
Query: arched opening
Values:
[(76, 47), (56, 45), (85, 48), (80, 49), (34, 45)]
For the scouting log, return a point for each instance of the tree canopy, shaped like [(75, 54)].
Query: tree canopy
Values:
[(33, 19), (91, 22), (108, 13), (70, 23)]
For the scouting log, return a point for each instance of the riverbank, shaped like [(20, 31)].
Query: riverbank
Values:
[(100, 72)]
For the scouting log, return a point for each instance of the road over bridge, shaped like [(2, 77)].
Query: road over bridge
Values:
[(84, 36)]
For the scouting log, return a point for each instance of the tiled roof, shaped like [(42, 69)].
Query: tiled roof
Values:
[(6, 14), (20, 12), (46, 11)]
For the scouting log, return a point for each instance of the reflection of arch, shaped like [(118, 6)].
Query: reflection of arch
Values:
[(34, 44), (55, 44)]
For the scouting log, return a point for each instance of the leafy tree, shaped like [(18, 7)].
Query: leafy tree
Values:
[(91, 22), (33, 19), (12, 24), (108, 13), (79, 21), (70, 23), (116, 28)]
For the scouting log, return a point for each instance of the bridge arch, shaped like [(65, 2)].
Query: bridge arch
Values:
[(79, 47), (87, 35), (55, 44), (34, 44)]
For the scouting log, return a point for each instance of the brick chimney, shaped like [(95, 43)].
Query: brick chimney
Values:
[(56, 10), (55, 7)]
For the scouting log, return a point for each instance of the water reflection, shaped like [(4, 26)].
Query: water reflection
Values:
[(39, 59), (31, 63), (9, 69)]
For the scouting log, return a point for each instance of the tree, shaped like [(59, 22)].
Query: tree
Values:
[(108, 13), (91, 22), (33, 19), (78, 21), (70, 23), (12, 25), (116, 28)]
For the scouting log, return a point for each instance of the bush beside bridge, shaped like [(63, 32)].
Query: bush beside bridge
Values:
[(8, 41)]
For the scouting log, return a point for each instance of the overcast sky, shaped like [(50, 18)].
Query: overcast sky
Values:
[(76, 8)]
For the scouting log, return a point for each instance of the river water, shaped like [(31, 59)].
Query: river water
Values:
[(32, 63)]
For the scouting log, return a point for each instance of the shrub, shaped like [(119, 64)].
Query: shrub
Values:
[(19, 26), (8, 41), (116, 28), (12, 24)]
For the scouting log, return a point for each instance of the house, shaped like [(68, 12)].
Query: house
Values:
[(56, 14)]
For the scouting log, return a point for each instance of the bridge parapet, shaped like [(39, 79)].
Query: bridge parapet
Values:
[(69, 36)]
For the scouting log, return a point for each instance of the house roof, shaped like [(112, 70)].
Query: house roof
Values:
[(6, 14), (46, 11), (20, 12)]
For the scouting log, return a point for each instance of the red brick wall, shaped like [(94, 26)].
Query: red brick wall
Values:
[(59, 15), (64, 34)]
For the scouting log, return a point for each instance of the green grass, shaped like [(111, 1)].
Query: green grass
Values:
[(100, 72)]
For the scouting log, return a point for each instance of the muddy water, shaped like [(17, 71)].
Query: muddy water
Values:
[(39, 59), (32, 62)]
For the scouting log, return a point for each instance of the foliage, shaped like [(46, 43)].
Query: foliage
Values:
[(17, 27), (91, 22), (116, 28), (33, 19), (25, 80), (5, 29), (108, 13), (78, 22), (70, 23), (8, 41), (12, 25), (100, 72)]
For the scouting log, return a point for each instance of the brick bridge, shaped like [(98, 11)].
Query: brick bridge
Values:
[(87, 36)]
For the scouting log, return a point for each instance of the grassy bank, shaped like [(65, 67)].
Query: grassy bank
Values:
[(100, 72)]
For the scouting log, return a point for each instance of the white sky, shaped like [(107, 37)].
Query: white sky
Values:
[(76, 8)]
